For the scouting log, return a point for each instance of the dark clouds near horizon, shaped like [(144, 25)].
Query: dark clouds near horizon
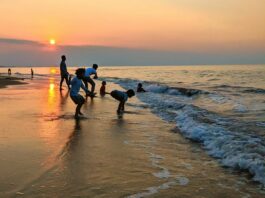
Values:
[(21, 52)]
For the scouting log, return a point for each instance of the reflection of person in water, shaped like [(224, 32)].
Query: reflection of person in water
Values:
[(73, 157), (64, 97)]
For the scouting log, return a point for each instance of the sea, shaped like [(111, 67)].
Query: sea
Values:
[(220, 108)]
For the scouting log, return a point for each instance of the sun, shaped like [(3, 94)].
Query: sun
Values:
[(52, 41)]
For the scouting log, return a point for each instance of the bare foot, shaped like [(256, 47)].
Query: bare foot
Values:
[(76, 116), (80, 113)]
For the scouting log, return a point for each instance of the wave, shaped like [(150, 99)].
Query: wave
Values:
[(222, 137), (237, 150), (156, 87), (242, 89)]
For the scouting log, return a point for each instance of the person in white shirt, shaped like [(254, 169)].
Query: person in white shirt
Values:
[(87, 79), (76, 84)]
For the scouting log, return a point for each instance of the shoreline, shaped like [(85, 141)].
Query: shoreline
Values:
[(8, 80), (49, 153)]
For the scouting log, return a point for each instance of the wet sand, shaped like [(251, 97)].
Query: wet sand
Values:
[(45, 152), (7, 80)]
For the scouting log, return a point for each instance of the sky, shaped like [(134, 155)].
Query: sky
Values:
[(138, 32)]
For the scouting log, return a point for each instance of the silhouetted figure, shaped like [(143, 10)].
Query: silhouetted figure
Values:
[(76, 84), (122, 97), (32, 72), (87, 79), (9, 71), (64, 73), (103, 88), (140, 88)]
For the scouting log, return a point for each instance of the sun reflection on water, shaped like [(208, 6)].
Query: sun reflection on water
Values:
[(51, 96)]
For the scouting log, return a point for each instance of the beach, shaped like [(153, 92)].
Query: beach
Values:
[(45, 152), (6, 80)]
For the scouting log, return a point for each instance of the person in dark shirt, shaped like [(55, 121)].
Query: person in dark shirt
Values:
[(64, 73), (122, 97), (32, 72), (140, 88), (9, 71), (103, 88)]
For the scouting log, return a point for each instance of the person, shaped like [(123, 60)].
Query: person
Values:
[(140, 88), (122, 97), (87, 79), (103, 88), (64, 72), (76, 84), (9, 71), (32, 73)]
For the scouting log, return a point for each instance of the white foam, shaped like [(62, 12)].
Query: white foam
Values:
[(236, 150), (162, 174), (155, 189), (183, 181)]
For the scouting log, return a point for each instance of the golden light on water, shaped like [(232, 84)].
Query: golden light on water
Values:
[(53, 71), (51, 95), (51, 89)]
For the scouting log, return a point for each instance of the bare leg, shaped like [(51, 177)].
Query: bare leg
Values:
[(67, 82), (77, 110), (61, 83)]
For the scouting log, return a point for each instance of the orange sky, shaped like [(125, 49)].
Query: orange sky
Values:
[(153, 24)]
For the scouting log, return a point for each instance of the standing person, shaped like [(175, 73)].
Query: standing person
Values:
[(64, 72), (76, 84), (9, 71), (32, 73), (122, 97), (87, 79)]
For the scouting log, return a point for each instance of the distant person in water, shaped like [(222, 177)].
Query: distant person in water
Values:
[(140, 88), (87, 79), (103, 88), (32, 72), (9, 71), (76, 84), (64, 73), (122, 97)]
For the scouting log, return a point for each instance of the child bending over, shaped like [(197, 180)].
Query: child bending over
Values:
[(122, 97)]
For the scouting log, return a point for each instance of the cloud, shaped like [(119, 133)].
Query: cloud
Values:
[(26, 52), (20, 42)]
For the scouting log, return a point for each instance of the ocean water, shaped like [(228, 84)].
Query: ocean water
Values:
[(219, 109)]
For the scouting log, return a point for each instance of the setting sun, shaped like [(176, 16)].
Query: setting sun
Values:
[(52, 41)]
